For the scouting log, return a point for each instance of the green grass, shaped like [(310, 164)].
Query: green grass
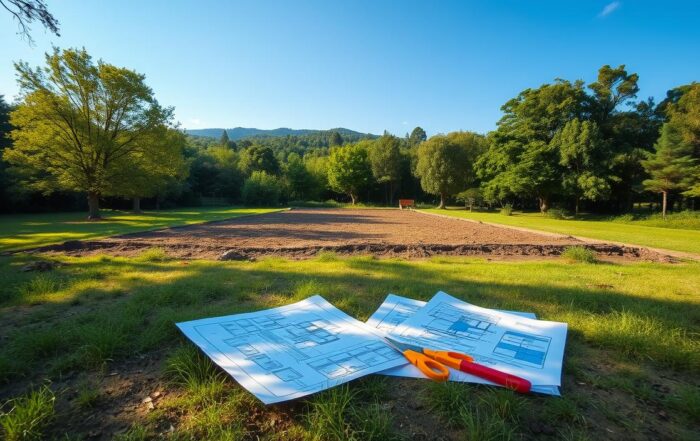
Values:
[(579, 254), (676, 239), (24, 231), (631, 327), (28, 416)]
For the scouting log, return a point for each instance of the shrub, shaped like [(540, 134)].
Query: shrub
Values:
[(579, 254), (507, 210), (261, 189), (558, 213), (28, 416), (153, 255)]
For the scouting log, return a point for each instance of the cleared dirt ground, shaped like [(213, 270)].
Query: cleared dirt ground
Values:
[(303, 233)]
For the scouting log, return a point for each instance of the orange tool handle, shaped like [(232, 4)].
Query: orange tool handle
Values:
[(466, 364), (429, 367)]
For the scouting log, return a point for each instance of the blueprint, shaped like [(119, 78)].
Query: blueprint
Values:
[(396, 310), (511, 341), (295, 350)]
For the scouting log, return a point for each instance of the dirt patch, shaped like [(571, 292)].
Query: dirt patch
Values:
[(304, 233)]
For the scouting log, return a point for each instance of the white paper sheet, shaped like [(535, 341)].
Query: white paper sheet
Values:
[(397, 309), (532, 349), (295, 350)]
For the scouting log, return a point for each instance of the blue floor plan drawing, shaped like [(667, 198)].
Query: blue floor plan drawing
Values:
[(294, 350)]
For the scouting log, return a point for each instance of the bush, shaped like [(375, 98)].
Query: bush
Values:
[(507, 210), (261, 189), (558, 213), (579, 254)]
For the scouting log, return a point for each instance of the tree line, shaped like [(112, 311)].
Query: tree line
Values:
[(87, 127)]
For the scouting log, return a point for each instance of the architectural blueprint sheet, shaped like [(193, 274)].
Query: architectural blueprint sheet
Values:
[(295, 350), (508, 340), (396, 310)]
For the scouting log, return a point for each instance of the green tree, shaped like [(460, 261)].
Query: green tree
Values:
[(300, 182), (446, 163), (81, 122), (386, 161), (470, 197), (349, 170), (149, 172), (259, 158), (5, 142), (671, 166), (224, 139), (261, 189), (581, 154), (521, 161), (684, 114), (417, 136), (335, 139), (628, 131)]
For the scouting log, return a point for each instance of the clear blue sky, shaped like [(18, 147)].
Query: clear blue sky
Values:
[(366, 65)]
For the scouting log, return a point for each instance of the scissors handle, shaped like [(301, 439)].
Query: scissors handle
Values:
[(466, 364), (429, 367)]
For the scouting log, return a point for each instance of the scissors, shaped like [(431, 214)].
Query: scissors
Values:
[(434, 365)]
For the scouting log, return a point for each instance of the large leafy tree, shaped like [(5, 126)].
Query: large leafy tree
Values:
[(521, 159), (417, 136), (628, 130), (259, 158), (349, 169), (582, 156), (300, 181), (671, 166), (386, 160), (684, 114), (446, 163), (81, 122)]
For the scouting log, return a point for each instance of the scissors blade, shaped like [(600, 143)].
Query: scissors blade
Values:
[(403, 347)]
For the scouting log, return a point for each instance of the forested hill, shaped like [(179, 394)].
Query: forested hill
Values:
[(244, 132)]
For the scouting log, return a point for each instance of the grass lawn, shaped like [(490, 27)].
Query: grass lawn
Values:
[(656, 237), (24, 231), (92, 338)]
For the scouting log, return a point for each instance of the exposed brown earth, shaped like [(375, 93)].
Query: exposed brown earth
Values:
[(303, 233)]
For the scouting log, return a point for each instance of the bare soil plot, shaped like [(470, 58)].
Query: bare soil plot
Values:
[(303, 233)]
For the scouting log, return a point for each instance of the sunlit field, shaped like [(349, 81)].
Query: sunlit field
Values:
[(633, 347)]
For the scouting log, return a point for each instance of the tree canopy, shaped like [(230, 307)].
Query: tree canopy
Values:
[(81, 124), (446, 163), (349, 169)]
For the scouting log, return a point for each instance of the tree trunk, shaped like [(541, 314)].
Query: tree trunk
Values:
[(136, 207), (442, 201), (544, 204), (664, 201), (93, 206), (352, 197), (578, 203)]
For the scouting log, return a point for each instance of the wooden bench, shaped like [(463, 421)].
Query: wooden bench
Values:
[(407, 203)]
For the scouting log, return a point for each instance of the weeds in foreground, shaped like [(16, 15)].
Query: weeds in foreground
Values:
[(486, 414), (341, 414), (579, 254), (28, 416), (135, 433), (153, 255)]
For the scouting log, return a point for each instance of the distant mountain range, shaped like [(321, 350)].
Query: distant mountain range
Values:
[(243, 132)]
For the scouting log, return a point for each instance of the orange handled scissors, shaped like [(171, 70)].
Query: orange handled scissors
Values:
[(433, 364)]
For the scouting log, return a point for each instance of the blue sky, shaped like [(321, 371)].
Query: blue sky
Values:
[(366, 65)]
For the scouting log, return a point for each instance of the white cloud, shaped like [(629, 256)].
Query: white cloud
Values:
[(609, 9), (405, 123), (195, 122)]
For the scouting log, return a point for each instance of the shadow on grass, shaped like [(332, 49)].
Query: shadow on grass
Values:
[(119, 307)]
